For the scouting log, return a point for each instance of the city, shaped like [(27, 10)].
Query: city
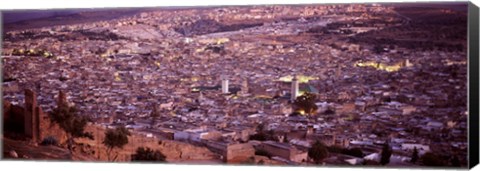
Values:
[(263, 84)]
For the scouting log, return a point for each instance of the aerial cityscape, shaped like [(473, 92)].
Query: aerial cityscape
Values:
[(303, 85)]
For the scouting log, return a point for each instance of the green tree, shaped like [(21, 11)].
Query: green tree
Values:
[(414, 155), (115, 138), (306, 102), (73, 124), (147, 154), (318, 152), (386, 154)]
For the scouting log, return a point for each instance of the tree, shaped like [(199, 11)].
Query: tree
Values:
[(285, 138), (115, 138), (73, 124), (262, 134), (318, 152), (147, 154), (414, 155), (260, 127), (155, 114), (306, 103), (386, 154)]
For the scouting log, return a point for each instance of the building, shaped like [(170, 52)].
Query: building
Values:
[(295, 87), (283, 150), (225, 85)]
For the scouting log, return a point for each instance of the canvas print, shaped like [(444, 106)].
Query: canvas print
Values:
[(379, 85)]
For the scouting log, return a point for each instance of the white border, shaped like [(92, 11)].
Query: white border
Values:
[(62, 4), (51, 4)]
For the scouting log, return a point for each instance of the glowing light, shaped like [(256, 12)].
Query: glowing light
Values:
[(301, 78), (195, 79), (263, 97), (380, 66), (222, 40), (302, 112), (117, 77)]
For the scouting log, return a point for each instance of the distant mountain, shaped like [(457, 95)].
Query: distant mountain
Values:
[(17, 16), (18, 20)]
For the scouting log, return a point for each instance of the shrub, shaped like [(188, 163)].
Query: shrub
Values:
[(49, 141), (318, 152), (147, 154)]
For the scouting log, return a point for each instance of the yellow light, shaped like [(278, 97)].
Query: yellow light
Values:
[(195, 79), (379, 66), (117, 76), (301, 78), (302, 112)]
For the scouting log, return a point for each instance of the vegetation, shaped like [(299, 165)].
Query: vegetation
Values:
[(49, 141), (263, 135), (147, 154), (155, 114), (318, 152), (414, 155), (72, 123), (306, 103), (386, 154), (115, 138)]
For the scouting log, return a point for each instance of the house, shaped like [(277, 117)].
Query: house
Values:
[(283, 150)]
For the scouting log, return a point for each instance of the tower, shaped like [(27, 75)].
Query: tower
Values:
[(224, 85), (294, 93), (31, 119), (244, 89)]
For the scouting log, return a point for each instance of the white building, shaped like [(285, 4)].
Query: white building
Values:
[(225, 85), (295, 87)]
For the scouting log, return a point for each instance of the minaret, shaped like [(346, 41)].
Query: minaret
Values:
[(294, 92), (244, 89), (224, 85)]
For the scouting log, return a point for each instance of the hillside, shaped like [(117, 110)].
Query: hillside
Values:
[(27, 151)]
